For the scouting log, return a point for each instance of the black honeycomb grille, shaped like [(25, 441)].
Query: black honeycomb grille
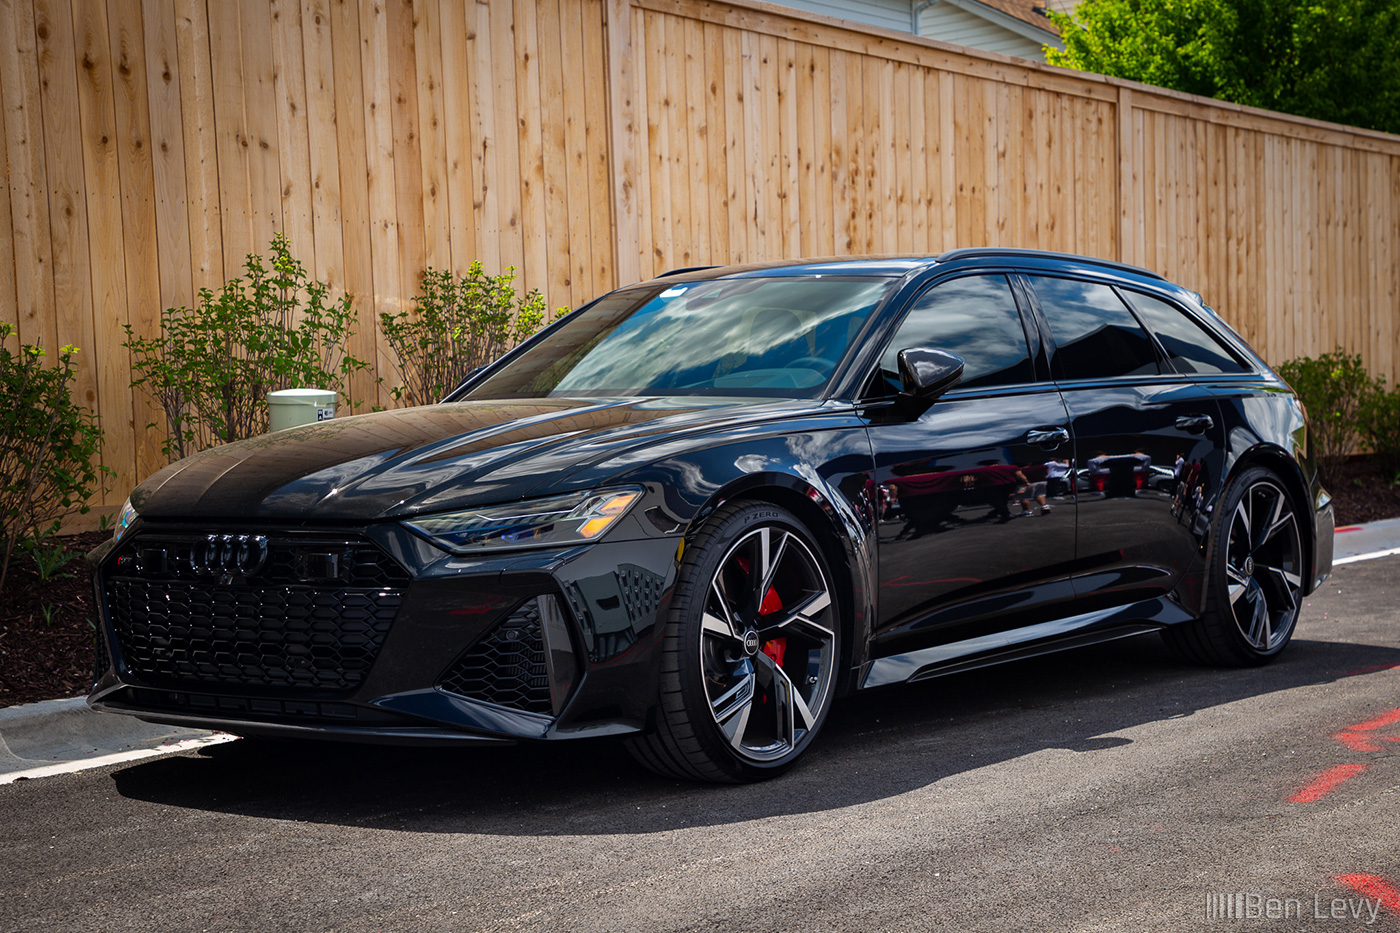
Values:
[(507, 667), (276, 628), (640, 589)]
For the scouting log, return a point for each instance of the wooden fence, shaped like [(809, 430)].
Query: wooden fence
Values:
[(151, 144)]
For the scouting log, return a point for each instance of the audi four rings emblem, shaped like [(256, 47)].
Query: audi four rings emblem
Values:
[(228, 554)]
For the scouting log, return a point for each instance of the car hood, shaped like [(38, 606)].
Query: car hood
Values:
[(434, 458)]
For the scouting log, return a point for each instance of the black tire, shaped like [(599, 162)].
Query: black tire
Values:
[(1255, 584), (749, 652)]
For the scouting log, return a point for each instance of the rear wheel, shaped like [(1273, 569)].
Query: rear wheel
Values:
[(1256, 577), (749, 653)]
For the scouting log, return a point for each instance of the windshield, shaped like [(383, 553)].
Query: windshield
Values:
[(777, 337)]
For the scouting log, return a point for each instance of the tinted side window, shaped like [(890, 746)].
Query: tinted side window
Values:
[(974, 317), (1096, 335), (1191, 347)]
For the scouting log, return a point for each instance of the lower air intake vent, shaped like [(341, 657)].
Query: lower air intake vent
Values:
[(507, 667)]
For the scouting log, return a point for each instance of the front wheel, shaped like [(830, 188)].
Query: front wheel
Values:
[(750, 650), (1255, 587)]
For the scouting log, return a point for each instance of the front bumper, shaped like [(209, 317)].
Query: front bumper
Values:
[(547, 644)]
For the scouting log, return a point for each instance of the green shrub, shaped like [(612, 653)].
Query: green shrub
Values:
[(1379, 424), (1333, 387), (212, 366), (456, 325), (47, 469)]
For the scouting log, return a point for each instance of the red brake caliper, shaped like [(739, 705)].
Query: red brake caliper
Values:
[(777, 647)]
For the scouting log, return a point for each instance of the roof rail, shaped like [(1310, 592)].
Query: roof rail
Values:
[(684, 270), (975, 252)]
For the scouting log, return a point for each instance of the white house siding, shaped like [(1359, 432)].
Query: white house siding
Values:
[(891, 14), (948, 23)]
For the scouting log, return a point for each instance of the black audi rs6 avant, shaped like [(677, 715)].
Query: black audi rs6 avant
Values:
[(699, 509)]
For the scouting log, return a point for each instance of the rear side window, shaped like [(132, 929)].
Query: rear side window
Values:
[(1190, 347), (1096, 336), (975, 317)]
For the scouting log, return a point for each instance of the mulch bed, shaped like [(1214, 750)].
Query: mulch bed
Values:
[(46, 659), (1361, 494)]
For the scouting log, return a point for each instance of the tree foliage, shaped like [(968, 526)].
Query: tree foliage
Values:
[(457, 323), (1336, 61), (212, 366), (47, 459)]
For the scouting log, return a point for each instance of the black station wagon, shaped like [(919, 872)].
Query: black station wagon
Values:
[(699, 509)]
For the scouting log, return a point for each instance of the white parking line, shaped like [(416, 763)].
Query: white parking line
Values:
[(1371, 556), (84, 764)]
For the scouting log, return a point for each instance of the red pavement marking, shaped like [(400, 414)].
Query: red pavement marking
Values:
[(1374, 887), (1385, 719), (1371, 670), (1357, 742), (1326, 782)]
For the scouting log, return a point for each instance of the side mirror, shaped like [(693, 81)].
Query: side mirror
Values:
[(926, 374)]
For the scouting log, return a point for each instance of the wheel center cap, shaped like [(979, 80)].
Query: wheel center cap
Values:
[(751, 643), (1249, 566)]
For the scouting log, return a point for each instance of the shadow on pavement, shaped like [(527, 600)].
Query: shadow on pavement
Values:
[(875, 745)]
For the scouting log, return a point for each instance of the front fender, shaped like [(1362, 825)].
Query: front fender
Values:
[(820, 468)]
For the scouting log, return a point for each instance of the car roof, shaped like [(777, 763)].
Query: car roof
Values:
[(899, 265)]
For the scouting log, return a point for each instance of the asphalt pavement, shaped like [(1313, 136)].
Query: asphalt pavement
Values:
[(1113, 788)]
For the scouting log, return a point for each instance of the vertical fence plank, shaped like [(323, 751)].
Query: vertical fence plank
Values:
[(200, 144), (432, 133), (696, 167), (600, 211), (622, 127), (24, 148), (9, 307), (318, 52), (407, 158), (263, 142), (138, 197), (163, 95), (717, 152), (102, 175), (459, 122), (293, 130), (352, 145), (68, 227), (554, 150), (390, 293)]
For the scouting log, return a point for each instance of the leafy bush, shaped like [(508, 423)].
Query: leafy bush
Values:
[(456, 325), (212, 366), (50, 442), (1334, 387), (1379, 424)]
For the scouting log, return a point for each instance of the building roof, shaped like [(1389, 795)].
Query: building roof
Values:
[(1031, 12)]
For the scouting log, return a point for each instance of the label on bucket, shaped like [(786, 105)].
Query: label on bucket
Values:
[(324, 414)]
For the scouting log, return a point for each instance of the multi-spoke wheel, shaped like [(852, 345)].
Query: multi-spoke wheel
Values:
[(750, 652), (1256, 579)]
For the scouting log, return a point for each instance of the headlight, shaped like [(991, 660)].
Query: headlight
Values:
[(552, 522), (125, 517)]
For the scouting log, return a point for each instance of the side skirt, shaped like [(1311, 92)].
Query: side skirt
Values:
[(1090, 628)]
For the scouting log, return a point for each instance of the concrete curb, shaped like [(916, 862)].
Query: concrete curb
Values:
[(53, 732), (1356, 540)]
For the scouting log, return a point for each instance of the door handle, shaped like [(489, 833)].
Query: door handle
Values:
[(1049, 438), (1195, 424)]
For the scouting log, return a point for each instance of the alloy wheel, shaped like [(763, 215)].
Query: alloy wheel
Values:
[(768, 648), (1263, 566)]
